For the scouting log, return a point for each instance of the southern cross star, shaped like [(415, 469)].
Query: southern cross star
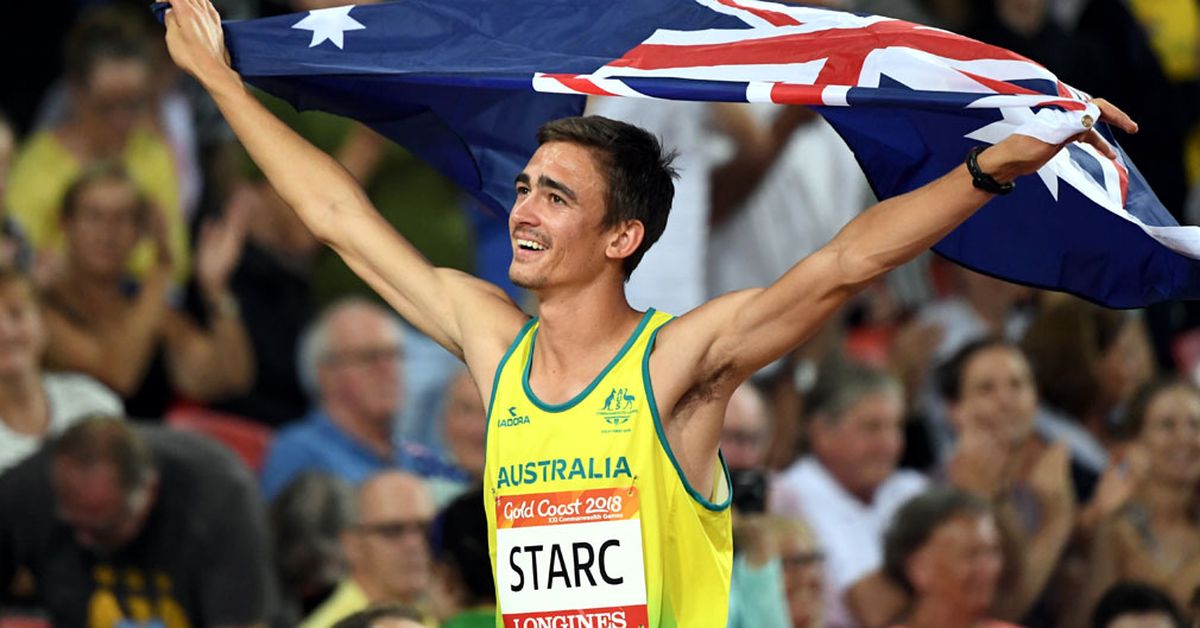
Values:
[(329, 24)]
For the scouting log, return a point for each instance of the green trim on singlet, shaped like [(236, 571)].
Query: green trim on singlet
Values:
[(563, 407), (666, 445)]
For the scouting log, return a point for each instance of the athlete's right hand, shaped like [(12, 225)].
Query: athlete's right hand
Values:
[(196, 41)]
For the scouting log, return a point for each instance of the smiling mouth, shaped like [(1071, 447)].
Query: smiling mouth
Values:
[(530, 245)]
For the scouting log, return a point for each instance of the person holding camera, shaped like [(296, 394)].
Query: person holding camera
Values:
[(769, 553)]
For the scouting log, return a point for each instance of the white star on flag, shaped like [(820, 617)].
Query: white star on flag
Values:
[(329, 24)]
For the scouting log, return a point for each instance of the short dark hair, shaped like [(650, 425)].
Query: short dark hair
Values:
[(367, 618), (1137, 598), (1131, 422), (105, 170), (103, 439), (637, 171), (950, 375), (103, 34), (916, 521), (460, 539)]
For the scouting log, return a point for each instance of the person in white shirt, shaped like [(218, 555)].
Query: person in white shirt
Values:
[(35, 405), (848, 486)]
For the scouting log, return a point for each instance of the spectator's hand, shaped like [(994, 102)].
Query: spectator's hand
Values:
[(157, 231), (196, 40), (755, 537), (912, 353), (980, 463), (1050, 480), (1020, 155), (1115, 487), (220, 248)]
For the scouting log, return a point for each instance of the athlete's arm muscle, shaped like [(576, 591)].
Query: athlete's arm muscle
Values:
[(455, 309), (700, 358)]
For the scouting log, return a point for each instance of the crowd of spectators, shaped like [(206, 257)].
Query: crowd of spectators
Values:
[(207, 420)]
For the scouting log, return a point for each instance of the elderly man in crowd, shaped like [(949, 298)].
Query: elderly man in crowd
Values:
[(124, 525), (848, 486), (387, 547), (351, 358)]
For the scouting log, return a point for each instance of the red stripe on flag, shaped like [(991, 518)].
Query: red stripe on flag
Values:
[(845, 50), (997, 85), (775, 18), (581, 85), (794, 94)]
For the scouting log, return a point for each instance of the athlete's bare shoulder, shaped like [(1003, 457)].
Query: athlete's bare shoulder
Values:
[(683, 359)]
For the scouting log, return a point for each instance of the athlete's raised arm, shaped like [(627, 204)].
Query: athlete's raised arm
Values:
[(736, 334), (334, 206)]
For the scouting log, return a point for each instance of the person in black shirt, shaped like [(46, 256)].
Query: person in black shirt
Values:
[(136, 525)]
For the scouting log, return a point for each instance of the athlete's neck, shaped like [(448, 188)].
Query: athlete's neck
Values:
[(576, 339)]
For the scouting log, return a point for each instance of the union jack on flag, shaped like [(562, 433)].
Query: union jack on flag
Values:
[(465, 85)]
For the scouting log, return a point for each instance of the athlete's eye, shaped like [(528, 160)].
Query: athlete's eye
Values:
[(522, 190), (557, 200)]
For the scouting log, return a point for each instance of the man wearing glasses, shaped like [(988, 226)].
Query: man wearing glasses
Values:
[(387, 548), (351, 361)]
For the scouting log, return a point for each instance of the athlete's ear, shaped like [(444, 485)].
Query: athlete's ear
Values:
[(625, 239)]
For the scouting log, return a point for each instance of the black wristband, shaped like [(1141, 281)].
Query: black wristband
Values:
[(982, 180)]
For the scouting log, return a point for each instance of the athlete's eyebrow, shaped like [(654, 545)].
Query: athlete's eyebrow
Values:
[(545, 181)]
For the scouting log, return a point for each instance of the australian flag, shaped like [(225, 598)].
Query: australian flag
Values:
[(465, 84)]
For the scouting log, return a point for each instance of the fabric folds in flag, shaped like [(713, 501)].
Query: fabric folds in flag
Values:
[(465, 84)]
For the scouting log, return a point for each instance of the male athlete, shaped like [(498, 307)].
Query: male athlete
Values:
[(607, 500)]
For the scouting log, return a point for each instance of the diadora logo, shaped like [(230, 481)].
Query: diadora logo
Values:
[(619, 406), (513, 419)]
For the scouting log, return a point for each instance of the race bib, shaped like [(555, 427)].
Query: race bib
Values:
[(571, 559)]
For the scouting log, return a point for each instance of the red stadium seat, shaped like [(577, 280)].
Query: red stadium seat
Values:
[(249, 440)]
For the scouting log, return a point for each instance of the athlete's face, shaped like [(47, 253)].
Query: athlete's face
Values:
[(556, 222)]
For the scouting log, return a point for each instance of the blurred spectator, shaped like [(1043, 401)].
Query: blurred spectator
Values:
[(979, 306), (989, 388), (272, 283), (774, 205), (849, 486), (464, 593), (33, 404), (307, 521), (167, 107), (757, 597), (1087, 362), (122, 524), (1153, 534), (109, 73), (803, 573), (943, 547), (1136, 605), (387, 547), (465, 419), (351, 359), (125, 333), (385, 616), (14, 248)]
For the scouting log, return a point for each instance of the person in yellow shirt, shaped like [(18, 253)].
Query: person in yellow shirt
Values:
[(108, 71), (387, 549), (607, 500)]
